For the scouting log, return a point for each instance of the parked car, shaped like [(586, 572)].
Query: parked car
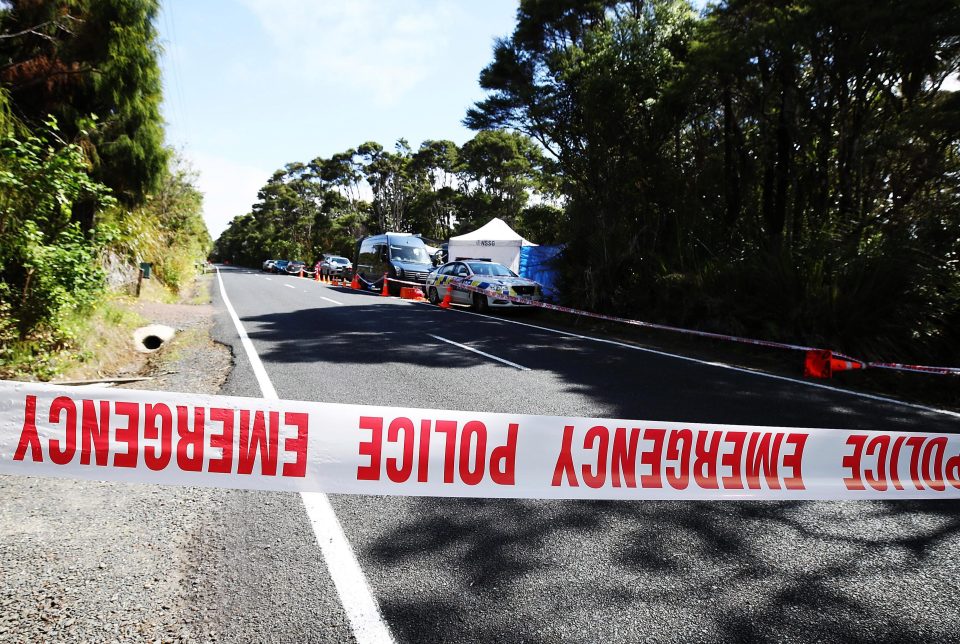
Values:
[(280, 265), (400, 256), (335, 265), (481, 274), (267, 265), (294, 268)]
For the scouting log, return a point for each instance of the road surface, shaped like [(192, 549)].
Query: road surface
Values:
[(546, 571), (88, 561)]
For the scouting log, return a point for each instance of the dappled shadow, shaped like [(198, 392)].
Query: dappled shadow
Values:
[(444, 621), (666, 571)]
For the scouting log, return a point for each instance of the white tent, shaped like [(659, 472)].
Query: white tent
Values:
[(495, 240)]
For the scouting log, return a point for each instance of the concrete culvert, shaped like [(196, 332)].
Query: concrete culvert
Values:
[(148, 339)]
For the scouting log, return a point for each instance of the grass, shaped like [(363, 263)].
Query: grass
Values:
[(102, 344)]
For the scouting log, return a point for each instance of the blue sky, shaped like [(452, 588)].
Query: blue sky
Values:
[(250, 85)]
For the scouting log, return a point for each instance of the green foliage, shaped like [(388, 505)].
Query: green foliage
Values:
[(48, 264), (780, 169), (93, 65), (439, 189), (97, 181), (168, 230)]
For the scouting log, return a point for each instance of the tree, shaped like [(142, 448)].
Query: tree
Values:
[(784, 169), (591, 82), (92, 64), (499, 171)]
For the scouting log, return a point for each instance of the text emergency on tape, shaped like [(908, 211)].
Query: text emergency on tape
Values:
[(248, 443)]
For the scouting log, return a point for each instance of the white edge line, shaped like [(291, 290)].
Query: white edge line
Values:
[(266, 387), (355, 595), (290, 286), (486, 355), (762, 374), (331, 301)]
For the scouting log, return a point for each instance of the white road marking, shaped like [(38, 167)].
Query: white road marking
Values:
[(355, 595), (762, 374), (269, 279), (485, 355), (331, 301), (288, 286)]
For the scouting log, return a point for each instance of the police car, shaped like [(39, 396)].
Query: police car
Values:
[(483, 274)]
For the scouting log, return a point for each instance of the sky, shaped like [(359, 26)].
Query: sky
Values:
[(251, 85)]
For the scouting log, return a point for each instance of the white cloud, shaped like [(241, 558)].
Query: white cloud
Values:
[(382, 48), (229, 189)]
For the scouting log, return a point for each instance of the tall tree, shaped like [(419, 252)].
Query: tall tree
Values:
[(591, 82), (92, 64)]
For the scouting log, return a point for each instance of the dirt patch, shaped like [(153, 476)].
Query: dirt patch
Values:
[(189, 362)]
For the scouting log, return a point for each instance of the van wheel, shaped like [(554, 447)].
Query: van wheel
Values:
[(480, 303), (433, 296)]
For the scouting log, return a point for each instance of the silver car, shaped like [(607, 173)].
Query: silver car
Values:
[(335, 265), (483, 274)]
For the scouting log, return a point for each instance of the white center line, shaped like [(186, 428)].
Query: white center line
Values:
[(485, 355), (358, 601), (331, 301), (288, 286), (269, 279)]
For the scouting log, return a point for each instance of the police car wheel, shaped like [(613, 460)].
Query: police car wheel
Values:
[(433, 296), (480, 303)]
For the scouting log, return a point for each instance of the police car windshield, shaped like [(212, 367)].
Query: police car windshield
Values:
[(493, 270), (409, 253)]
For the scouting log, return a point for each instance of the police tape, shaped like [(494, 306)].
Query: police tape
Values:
[(408, 283), (942, 371), (365, 282), (248, 443)]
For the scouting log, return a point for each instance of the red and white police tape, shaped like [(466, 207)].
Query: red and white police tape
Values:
[(248, 443), (943, 371)]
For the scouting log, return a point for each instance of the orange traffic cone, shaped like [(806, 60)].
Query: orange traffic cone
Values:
[(817, 364), (336, 280), (386, 289), (301, 272), (844, 365), (316, 276), (820, 363), (445, 304), (355, 284)]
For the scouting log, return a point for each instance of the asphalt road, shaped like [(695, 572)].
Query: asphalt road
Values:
[(448, 570)]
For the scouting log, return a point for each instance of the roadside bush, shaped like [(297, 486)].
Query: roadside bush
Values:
[(168, 230), (48, 264)]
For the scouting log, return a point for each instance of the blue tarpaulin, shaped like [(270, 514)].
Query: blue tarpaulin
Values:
[(537, 263)]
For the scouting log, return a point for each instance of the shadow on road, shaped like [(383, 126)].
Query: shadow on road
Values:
[(731, 572)]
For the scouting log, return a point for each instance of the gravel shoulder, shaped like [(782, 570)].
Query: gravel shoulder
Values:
[(96, 561)]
